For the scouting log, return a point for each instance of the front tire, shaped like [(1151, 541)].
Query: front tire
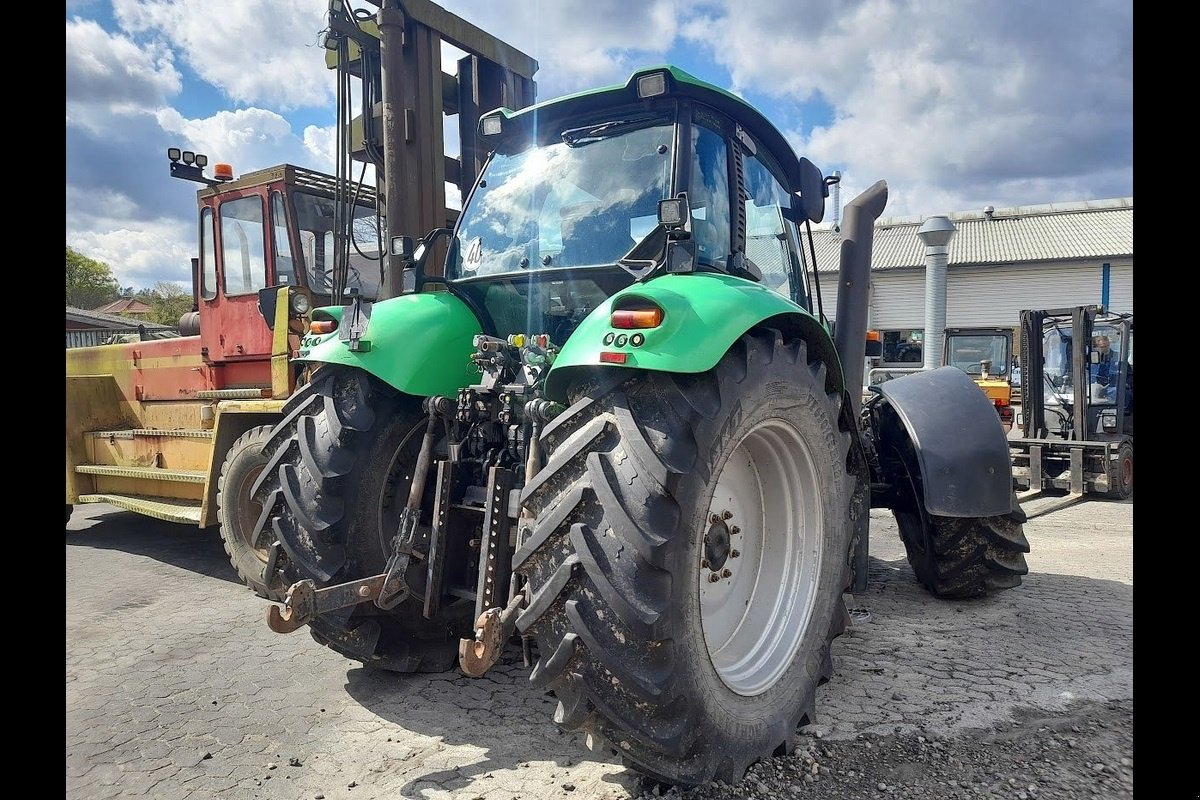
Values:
[(1122, 473), (635, 638), (238, 511), (339, 469)]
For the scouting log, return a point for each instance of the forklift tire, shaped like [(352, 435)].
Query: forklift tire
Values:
[(1122, 473), (960, 557), (338, 470), (238, 511), (637, 589)]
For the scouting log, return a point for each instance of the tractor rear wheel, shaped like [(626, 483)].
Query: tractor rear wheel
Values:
[(687, 557), (238, 511), (959, 557), (338, 473)]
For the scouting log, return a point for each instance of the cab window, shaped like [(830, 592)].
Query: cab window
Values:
[(242, 249), (771, 240)]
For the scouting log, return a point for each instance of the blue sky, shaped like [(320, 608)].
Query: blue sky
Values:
[(958, 104)]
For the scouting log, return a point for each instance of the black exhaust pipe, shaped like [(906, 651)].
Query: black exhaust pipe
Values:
[(850, 332)]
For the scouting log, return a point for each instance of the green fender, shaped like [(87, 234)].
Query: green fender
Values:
[(703, 315), (418, 343)]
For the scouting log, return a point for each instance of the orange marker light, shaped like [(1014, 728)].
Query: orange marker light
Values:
[(613, 358), (223, 172), (322, 326), (637, 318)]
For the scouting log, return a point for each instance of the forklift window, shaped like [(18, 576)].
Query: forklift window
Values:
[(242, 247), (208, 257)]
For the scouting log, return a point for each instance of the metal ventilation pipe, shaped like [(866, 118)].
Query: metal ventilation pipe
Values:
[(935, 232)]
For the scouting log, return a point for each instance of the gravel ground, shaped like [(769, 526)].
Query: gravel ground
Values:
[(1084, 752)]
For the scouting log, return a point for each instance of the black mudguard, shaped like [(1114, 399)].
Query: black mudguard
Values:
[(961, 448)]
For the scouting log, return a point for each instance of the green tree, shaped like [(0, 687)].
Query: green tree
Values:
[(90, 283), (168, 302)]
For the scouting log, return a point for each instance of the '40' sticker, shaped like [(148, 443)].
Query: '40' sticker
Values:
[(474, 255)]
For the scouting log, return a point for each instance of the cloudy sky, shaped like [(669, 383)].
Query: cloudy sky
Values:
[(958, 104)]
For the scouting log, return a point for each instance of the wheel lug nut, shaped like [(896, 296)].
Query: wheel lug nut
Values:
[(714, 518), (735, 529), (734, 553), (713, 577), (726, 514), (725, 573), (704, 562)]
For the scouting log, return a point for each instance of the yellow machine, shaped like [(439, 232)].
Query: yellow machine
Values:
[(986, 355)]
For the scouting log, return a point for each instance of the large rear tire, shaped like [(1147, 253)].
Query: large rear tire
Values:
[(238, 511), (653, 482), (339, 468)]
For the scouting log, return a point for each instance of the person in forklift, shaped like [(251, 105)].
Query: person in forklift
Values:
[(1104, 371)]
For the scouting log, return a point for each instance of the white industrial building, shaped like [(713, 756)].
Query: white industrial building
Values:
[(1001, 261)]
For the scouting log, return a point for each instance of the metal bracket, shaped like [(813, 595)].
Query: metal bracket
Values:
[(395, 588)]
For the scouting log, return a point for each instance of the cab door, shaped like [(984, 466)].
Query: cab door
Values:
[(233, 329)]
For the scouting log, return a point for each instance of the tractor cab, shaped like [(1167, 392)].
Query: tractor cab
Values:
[(583, 197)]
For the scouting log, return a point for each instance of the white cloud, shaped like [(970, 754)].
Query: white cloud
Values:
[(156, 250), (249, 138), (952, 103), (109, 74), (264, 52), (579, 44)]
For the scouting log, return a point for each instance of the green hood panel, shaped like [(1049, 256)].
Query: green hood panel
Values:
[(703, 315), (418, 343)]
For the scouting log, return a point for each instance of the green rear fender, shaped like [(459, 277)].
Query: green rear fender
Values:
[(703, 315), (418, 343)]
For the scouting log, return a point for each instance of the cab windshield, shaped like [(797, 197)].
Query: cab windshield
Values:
[(315, 226), (583, 201), (968, 352)]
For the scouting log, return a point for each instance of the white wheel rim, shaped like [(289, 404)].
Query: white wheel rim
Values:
[(767, 502)]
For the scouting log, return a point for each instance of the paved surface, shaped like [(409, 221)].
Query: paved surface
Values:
[(177, 689)]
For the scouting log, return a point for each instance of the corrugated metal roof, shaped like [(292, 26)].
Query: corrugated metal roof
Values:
[(1092, 229), (107, 320)]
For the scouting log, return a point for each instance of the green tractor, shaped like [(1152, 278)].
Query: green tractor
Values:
[(614, 421)]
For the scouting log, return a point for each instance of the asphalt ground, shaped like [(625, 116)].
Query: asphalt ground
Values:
[(176, 688)]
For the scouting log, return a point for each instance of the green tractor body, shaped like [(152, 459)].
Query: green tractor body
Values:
[(615, 421)]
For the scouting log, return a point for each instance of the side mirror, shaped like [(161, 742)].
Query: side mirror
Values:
[(414, 277), (402, 246), (813, 189)]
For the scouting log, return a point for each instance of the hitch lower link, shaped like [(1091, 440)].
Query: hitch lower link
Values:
[(304, 602)]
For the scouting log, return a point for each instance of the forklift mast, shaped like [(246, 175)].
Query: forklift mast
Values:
[(389, 68)]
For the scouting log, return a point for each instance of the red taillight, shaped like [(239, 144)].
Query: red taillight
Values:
[(322, 326), (613, 358), (637, 317)]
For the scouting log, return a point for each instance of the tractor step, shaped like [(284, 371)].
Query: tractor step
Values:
[(234, 394), (135, 433), (144, 473), (164, 508)]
